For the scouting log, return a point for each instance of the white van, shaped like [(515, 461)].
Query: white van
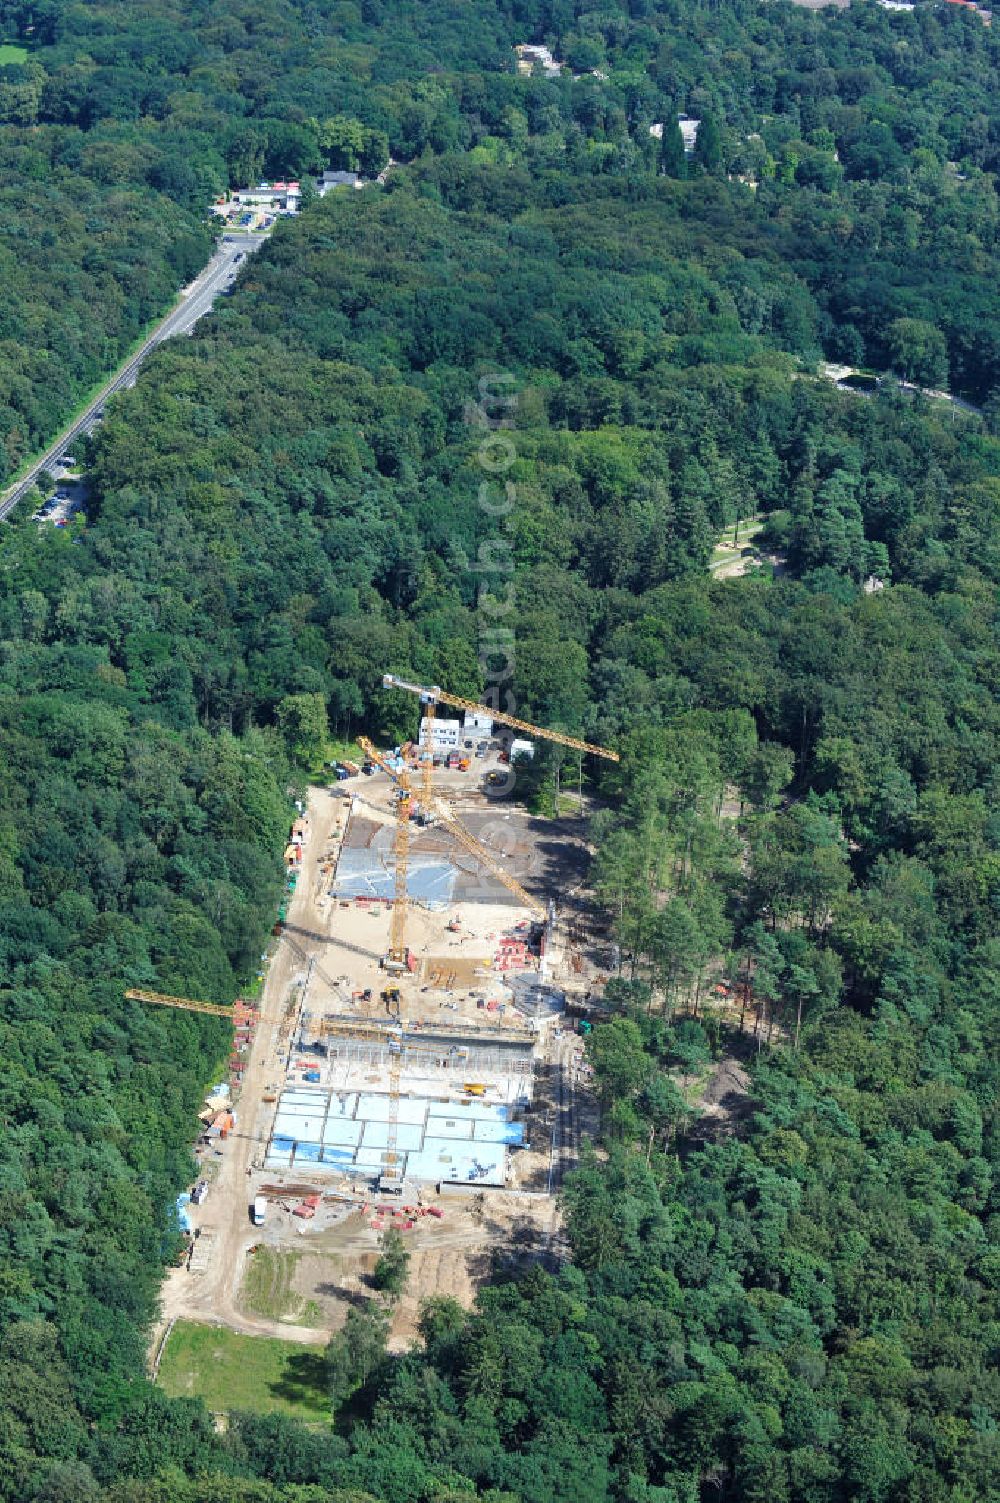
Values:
[(258, 1211)]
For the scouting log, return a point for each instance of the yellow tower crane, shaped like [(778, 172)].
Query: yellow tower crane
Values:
[(398, 954), (430, 696), (397, 958), (455, 827), (186, 1004), (427, 756)]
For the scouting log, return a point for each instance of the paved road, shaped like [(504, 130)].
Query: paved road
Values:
[(194, 303)]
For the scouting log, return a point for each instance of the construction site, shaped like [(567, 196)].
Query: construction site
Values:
[(411, 1052)]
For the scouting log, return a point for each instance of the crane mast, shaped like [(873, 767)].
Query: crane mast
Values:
[(393, 1039), (464, 837), (397, 956), (427, 756)]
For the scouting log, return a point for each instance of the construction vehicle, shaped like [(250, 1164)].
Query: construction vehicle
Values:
[(392, 998), (474, 1088)]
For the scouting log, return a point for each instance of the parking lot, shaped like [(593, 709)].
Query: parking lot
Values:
[(69, 496)]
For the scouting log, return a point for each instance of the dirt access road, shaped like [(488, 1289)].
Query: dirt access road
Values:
[(224, 1218)]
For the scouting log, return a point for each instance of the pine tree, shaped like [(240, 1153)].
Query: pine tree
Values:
[(673, 160), (708, 146)]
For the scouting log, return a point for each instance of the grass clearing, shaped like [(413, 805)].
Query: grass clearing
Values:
[(10, 54), (267, 1283), (735, 542), (230, 1371)]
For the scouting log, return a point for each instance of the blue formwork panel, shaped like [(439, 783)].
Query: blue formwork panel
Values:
[(369, 1158), (448, 1127), (499, 1132), (308, 1152), (345, 1133), (444, 1159), (340, 1157), (471, 1109), (409, 1135), (299, 1127), (372, 1108), (278, 1158)]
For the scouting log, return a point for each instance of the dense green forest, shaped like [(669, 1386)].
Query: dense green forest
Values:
[(529, 380), (869, 139)]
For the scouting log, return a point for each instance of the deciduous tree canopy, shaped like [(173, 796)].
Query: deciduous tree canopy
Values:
[(303, 495)]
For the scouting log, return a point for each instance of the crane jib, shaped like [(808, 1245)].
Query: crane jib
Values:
[(431, 695)]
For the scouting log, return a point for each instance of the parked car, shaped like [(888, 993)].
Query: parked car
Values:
[(199, 1192)]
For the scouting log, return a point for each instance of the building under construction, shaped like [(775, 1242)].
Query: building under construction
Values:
[(447, 1103), (438, 1140), (406, 1098)]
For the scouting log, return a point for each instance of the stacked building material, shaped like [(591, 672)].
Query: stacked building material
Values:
[(512, 953)]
